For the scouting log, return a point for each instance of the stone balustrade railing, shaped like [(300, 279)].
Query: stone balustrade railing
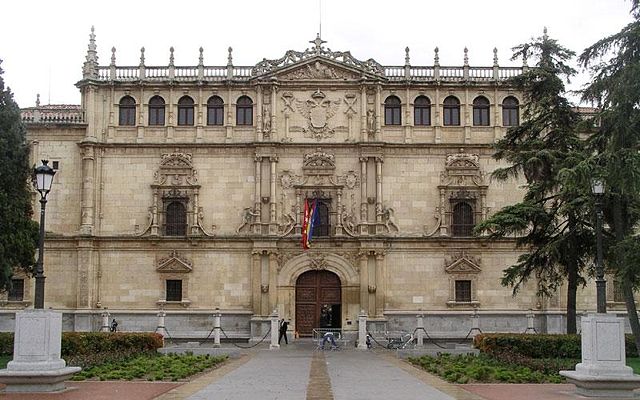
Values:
[(54, 114), (219, 73)]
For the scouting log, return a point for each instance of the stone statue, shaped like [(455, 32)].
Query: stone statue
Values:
[(247, 218), (388, 219), (371, 121), (266, 118)]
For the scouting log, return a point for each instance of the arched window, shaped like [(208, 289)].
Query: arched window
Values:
[(324, 225), (215, 111), (176, 219), (422, 111), (481, 111), (127, 111), (244, 111), (451, 114), (392, 111), (156, 111), (510, 112), (462, 219), (185, 111)]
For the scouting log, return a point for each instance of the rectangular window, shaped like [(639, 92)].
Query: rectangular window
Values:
[(215, 116), (392, 116), (463, 291), (16, 293), (422, 116), (244, 116), (156, 116), (127, 116), (510, 117), (185, 115), (174, 290), (55, 165), (480, 116), (451, 116)]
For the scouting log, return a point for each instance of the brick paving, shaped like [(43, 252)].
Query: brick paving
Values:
[(299, 372)]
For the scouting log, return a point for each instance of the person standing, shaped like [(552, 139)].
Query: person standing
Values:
[(284, 325)]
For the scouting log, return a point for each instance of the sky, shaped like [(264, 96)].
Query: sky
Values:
[(44, 42)]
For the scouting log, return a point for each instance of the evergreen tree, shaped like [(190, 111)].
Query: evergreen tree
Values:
[(18, 233), (548, 223), (615, 89)]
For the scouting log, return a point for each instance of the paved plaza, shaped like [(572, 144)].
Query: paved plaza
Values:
[(300, 372)]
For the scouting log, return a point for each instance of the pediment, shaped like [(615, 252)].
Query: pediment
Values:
[(174, 264), (463, 266), (316, 69)]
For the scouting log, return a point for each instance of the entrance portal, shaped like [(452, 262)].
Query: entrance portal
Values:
[(318, 301)]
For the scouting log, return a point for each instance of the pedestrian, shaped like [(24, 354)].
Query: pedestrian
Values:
[(284, 325), (328, 337), (114, 326)]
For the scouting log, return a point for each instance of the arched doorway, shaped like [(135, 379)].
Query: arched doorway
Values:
[(318, 301)]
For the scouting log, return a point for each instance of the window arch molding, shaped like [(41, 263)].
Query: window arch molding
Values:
[(127, 111), (422, 111), (392, 110), (451, 111)]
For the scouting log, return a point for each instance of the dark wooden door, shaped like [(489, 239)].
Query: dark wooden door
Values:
[(318, 301)]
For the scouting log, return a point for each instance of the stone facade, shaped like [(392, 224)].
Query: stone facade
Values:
[(318, 124)]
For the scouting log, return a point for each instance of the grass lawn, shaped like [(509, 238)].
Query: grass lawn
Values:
[(4, 359), (635, 364)]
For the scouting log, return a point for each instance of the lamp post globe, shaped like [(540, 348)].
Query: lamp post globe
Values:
[(43, 180), (598, 189)]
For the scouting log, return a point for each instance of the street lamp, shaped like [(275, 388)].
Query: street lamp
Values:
[(597, 188), (44, 178)]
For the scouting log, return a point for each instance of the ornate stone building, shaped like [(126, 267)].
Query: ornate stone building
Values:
[(182, 189)]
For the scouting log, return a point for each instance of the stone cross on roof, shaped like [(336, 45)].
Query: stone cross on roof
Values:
[(318, 43)]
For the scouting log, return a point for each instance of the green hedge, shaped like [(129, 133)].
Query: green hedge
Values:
[(539, 345), (85, 343)]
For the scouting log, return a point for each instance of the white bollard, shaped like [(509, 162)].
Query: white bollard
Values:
[(274, 330), (161, 328), (475, 324), (105, 321), (530, 327), (420, 330), (362, 331), (216, 328)]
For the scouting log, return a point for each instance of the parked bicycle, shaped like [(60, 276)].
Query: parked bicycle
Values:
[(405, 341)]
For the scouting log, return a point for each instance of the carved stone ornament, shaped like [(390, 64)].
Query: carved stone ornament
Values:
[(463, 264), (319, 163), (317, 111), (318, 261), (462, 169), (174, 264), (318, 51)]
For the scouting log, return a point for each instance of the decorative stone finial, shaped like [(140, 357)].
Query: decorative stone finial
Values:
[(495, 56), (38, 100), (230, 57), (406, 56), (466, 57), (171, 56), (436, 58), (113, 56), (142, 56), (544, 33), (201, 57), (318, 43), (90, 67)]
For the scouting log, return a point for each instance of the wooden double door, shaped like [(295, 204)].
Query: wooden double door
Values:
[(318, 301)]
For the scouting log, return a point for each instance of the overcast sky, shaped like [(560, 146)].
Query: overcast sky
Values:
[(44, 42)]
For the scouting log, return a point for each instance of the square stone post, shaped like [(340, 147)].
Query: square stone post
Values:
[(274, 331), (216, 328), (161, 327), (362, 331), (420, 330)]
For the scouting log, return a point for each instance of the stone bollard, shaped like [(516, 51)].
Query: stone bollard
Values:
[(105, 321), (475, 324), (362, 331), (216, 328), (274, 330), (530, 327), (420, 330), (161, 327)]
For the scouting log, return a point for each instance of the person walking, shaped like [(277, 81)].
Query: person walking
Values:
[(284, 325)]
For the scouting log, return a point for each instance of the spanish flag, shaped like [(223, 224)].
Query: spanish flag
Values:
[(309, 221)]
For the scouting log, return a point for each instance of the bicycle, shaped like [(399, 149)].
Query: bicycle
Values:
[(405, 341)]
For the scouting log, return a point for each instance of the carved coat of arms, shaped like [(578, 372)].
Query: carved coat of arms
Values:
[(317, 111)]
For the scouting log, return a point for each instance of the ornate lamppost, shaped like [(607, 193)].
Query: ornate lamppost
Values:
[(44, 178), (597, 188)]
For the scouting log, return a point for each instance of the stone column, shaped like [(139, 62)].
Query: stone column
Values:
[(274, 124), (155, 213), (256, 278), (298, 210), (378, 161), (380, 283), (408, 121), (258, 114), (437, 125), (379, 115), (273, 196), (216, 328), (273, 280), (364, 280), (339, 212), (87, 201), (364, 210), (274, 330), (362, 331), (363, 113), (228, 121), (467, 117), (444, 224), (257, 207)]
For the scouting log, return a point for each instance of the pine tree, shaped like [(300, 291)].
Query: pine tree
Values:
[(548, 223), (615, 88), (18, 233)]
